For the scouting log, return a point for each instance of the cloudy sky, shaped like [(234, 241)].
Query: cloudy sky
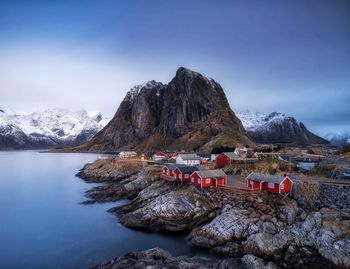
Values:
[(286, 56)]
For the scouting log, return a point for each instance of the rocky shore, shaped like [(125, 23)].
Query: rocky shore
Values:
[(279, 231), (157, 258)]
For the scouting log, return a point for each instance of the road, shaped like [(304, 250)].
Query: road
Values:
[(240, 181)]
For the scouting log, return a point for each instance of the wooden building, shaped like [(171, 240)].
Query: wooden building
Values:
[(188, 159), (225, 158), (207, 178), (168, 171), (270, 183), (183, 173)]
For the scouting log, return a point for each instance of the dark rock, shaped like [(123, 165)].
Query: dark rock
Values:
[(157, 258)]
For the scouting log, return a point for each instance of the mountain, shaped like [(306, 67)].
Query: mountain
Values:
[(338, 139), (50, 128), (191, 112), (277, 128)]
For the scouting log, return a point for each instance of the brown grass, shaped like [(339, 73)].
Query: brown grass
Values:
[(127, 166), (306, 193)]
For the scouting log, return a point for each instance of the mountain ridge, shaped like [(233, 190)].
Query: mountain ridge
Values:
[(277, 128), (46, 129)]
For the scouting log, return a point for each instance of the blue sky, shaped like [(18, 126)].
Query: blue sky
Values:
[(286, 56)]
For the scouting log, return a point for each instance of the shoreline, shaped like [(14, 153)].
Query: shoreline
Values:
[(227, 224)]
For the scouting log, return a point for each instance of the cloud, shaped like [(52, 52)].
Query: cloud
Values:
[(38, 77)]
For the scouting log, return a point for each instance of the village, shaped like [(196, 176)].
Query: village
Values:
[(205, 170), (236, 170)]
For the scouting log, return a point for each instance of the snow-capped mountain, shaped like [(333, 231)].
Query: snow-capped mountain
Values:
[(277, 128), (49, 128), (338, 139)]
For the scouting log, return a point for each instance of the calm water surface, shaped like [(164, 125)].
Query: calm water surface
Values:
[(43, 224)]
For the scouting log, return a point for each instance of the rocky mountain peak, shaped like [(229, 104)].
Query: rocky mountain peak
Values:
[(134, 92), (189, 112)]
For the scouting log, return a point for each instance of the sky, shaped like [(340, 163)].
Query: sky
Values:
[(286, 56)]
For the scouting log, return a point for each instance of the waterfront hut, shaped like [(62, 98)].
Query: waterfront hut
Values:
[(183, 173), (168, 171), (207, 178), (270, 183)]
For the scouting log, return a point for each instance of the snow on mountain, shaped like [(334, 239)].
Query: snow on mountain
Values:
[(277, 128), (253, 121), (52, 127), (134, 91), (338, 139)]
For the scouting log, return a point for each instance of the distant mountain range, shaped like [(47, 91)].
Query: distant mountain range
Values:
[(191, 112), (277, 128), (338, 139), (47, 129)]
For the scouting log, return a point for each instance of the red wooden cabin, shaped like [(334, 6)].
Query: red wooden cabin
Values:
[(164, 154), (270, 183), (207, 178), (183, 173), (224, 159), (168, 171)]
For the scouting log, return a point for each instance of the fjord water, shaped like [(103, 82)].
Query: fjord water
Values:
[(43, 224)]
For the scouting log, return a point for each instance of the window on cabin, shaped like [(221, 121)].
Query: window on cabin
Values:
[(207, 180), (282, 186), (192, 179), (180, 175), (271, 185), (187, 175), (199, 181)]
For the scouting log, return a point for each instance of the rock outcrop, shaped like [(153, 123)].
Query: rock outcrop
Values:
[(158, 258), (191, 112)]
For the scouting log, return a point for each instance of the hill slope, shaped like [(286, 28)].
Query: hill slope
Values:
[(191, 112)]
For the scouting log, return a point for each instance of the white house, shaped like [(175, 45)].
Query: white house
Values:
[(127, 154), (188, 159)]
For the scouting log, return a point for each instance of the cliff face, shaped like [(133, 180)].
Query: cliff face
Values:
[(191, 112)]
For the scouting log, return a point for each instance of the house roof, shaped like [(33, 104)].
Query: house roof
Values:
[(231, 155), (211, 173), (174, 166), (204, 155), (189, 156), (266, 177), (188, 169)]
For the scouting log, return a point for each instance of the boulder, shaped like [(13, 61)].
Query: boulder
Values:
[(265, 244), (251, 262), (230, 225)]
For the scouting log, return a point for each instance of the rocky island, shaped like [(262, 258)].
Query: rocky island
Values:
[(250, 230)]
